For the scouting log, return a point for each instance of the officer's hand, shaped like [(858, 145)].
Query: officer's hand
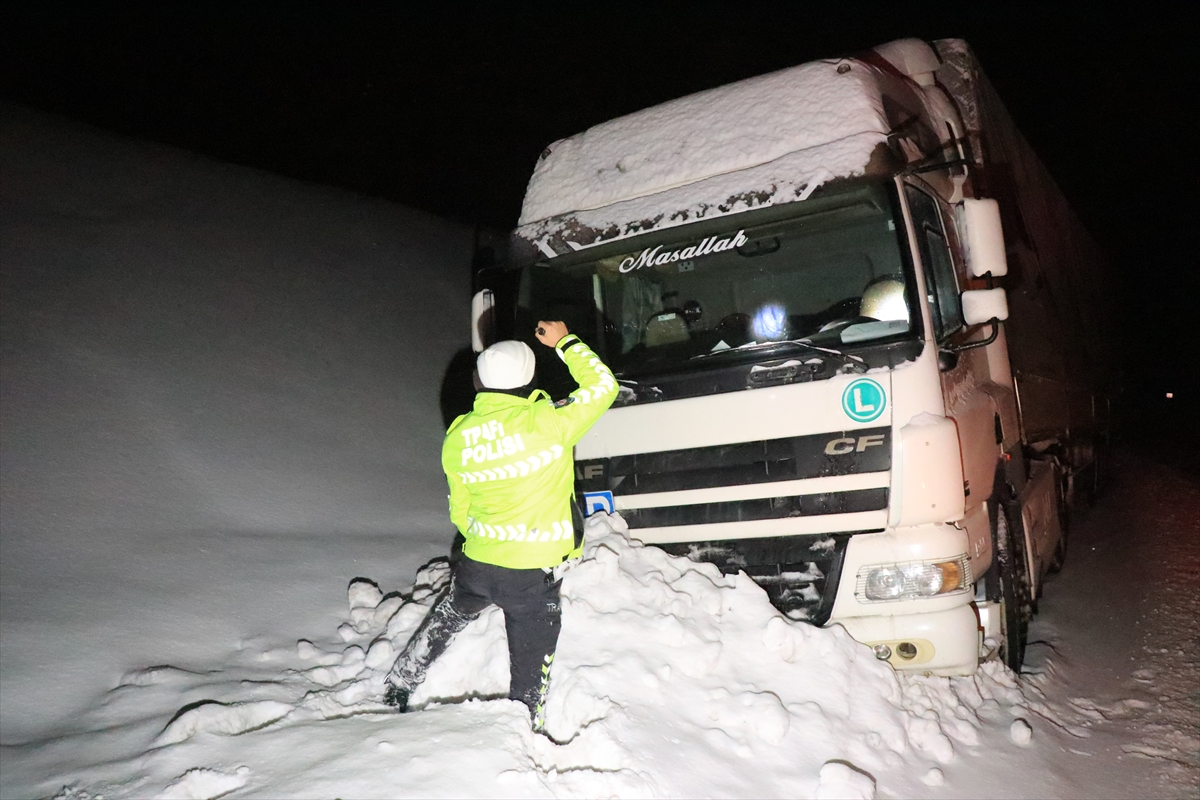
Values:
[(551, 333)]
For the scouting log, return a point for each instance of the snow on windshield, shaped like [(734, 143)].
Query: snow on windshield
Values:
[(777, 135)]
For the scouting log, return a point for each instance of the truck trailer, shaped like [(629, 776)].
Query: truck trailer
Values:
[(859, 335)]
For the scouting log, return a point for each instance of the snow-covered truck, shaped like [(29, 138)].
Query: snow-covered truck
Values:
[(858, 335)]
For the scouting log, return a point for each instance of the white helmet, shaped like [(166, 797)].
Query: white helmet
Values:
[(505, 365), (883, 299)]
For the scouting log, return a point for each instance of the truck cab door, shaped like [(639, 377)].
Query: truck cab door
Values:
[(966, 400)]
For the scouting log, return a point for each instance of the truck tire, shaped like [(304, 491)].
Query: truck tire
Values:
[(1008, 581)]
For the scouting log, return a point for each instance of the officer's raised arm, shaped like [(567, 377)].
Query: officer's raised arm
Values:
[(597, 386)]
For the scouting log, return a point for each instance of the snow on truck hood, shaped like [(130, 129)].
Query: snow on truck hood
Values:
[(768, 139)]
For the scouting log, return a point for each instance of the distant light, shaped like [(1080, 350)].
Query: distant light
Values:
[(1170, 395), (770, 322)]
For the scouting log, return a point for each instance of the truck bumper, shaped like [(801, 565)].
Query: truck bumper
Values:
[(944, 642)]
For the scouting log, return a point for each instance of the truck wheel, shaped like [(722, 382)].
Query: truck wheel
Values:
[(1008, 582)]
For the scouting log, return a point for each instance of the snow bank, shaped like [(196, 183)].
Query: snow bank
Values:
[(772, 137), (198, 357), (192, 345), (670, 680)]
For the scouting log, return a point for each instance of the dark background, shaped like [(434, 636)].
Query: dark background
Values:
[(446, 108)]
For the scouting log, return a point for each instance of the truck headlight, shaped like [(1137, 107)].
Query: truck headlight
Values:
[(881, 582)]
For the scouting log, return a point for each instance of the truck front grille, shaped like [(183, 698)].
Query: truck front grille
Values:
[(800, 574), (805, 505), (817, 455)]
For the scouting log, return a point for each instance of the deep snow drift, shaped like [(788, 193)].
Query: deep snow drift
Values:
[(670, 679), (215, 384)]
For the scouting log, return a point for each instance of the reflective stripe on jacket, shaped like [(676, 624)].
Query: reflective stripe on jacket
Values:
[(511, 466)]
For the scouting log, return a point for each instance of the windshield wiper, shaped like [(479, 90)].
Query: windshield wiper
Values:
[(856, 363)]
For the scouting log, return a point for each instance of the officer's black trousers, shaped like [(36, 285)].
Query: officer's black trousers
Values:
[(530, 600)]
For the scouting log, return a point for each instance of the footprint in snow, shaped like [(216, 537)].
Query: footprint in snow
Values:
[(220, 718), (204, 784)]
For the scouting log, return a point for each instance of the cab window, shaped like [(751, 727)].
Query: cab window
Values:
[(941, 284)]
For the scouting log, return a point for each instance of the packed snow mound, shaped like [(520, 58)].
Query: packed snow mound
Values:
[(671, 679)]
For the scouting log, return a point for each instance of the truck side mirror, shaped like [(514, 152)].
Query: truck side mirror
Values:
[(985, 238), (984, 305), (483, 320)]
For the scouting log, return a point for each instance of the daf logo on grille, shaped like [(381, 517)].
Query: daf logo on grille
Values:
[(841, 447), (589, 471)]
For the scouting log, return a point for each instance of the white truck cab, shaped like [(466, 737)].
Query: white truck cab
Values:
[(799, 281)]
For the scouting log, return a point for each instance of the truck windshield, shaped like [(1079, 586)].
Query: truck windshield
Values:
[(831, 275)]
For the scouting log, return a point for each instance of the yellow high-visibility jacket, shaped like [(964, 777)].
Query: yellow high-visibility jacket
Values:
[(511, 466)]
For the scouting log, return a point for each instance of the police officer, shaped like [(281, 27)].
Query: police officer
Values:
[(511, 470)]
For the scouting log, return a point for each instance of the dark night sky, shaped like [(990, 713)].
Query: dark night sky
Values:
[(446, 109)]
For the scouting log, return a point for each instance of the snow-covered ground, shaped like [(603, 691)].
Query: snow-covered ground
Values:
[(220, 400), (1117, 645)]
